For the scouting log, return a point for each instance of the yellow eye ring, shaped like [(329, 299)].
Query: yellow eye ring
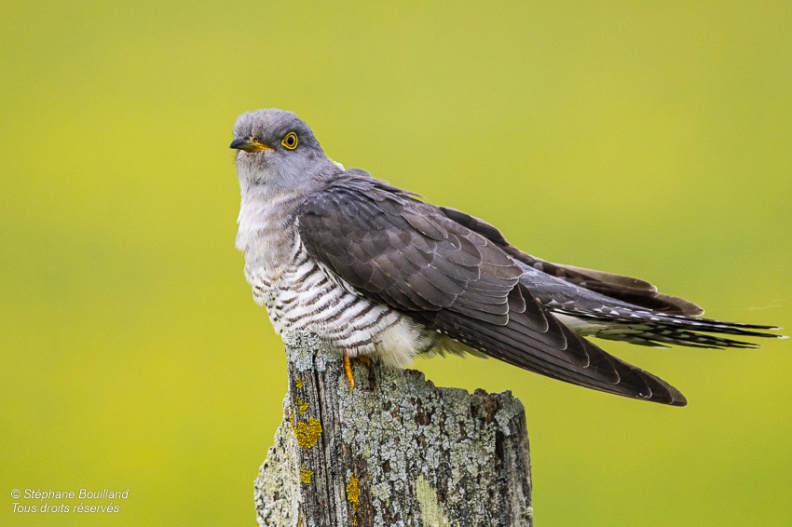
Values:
[(290, 141)]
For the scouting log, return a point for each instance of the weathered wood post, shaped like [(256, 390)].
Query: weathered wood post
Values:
[(396, 450)]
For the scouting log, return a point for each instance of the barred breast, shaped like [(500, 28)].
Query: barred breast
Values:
[(307, 298)]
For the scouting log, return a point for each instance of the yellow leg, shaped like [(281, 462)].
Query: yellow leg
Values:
[(348, 371)]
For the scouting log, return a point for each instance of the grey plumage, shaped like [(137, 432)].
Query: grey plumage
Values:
[(372, 270)]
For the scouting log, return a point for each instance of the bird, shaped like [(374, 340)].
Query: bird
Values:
[(375, 271)]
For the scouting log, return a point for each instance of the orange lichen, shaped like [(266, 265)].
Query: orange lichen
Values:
[(353, 492), (305, 475), (302, 406), (308, 432), (353, 497)]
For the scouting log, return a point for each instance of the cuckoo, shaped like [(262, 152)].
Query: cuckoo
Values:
[(372, 270)]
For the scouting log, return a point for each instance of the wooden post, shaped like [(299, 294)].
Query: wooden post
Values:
[(396, 450)]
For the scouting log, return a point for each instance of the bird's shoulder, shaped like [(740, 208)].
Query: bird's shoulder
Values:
[(355, 185), (386, 242)]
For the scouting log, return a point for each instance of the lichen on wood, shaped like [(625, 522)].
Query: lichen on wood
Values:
[(396, 450)]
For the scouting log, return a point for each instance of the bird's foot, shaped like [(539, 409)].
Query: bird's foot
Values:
[(348, 368), (348, 371)]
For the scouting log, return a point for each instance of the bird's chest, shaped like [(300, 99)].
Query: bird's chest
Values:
[(275, 270), (268, 236)]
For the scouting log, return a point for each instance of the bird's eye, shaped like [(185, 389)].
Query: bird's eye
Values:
[(290, 141)]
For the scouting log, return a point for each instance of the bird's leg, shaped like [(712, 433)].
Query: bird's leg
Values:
[(348, 368), (348, 371)]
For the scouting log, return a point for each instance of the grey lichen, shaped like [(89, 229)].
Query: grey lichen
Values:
[(278, 480), (301, 352), (507, 414)]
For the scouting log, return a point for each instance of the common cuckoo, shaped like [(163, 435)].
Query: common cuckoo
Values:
[(372, 270)]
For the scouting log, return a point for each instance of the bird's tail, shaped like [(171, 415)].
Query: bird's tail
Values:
[(660, 330)]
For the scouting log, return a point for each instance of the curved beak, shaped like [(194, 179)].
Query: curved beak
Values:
[(249, 144)]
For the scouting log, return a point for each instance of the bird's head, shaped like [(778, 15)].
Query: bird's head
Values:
[(277, 150)]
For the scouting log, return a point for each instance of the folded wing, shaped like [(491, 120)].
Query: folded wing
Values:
[(456, 280)]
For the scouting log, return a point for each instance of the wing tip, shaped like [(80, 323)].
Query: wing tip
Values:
[(671, 397)]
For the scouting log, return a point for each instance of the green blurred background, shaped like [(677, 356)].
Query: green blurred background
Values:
[(650, 139)]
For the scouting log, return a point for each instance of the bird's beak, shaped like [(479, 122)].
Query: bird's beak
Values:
[(249, 144)]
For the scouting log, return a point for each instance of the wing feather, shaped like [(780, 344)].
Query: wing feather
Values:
[(457, 278), (625, 288)]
